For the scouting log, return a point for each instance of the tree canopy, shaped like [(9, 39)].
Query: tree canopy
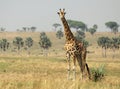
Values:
[(113, 26), (4, 44), (77, 24), (112, 43), (56, 25), (18, 42), (29, 42), (93, 29), (80, 35), (104, 43), (59, 34), (44, 41)]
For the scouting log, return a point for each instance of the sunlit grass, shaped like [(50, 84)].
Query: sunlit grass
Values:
[(50, 73), (36, 71)]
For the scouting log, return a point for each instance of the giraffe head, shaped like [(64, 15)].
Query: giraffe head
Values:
[(62, 13)]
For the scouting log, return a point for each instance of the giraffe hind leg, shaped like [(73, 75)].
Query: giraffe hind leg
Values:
[(81, 62), (79, 59)]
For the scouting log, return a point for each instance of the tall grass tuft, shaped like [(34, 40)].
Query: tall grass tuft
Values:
[(98, 73)]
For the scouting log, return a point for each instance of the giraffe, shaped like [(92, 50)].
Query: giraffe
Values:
[(74, 49)]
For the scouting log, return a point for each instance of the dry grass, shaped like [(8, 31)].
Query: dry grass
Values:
[(39, 72), (51, 73)]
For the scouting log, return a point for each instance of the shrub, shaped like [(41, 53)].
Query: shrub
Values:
[(98, 73)]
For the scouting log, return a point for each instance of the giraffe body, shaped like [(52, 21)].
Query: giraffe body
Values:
[(74, 49)]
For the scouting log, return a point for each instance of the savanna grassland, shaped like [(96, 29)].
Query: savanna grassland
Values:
[(36, 71)]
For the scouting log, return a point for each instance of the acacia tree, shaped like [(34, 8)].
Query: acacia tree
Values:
[(113, 26), (77, 25), (24, 29), (104, 43), (33, 28), (18, 42), (4, 44), (44, 41), (114, 44), (93, 29), (59, 34), (29, 43), (80, 36), (2, 29), (56, 25)]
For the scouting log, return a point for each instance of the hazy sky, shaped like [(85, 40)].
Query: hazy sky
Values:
[(15, 14)]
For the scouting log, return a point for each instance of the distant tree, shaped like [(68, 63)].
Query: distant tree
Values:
[(29, 43), (4, 44), (18, 30), (33, 28), (2, 29), (77, 25), (93, 29), (79, 34), (56, 25), (113, 26), (24, 29), (85, 43), (18, 42), (44, 41), (104, 43), (59, 34), (114, 44), (95, 26)]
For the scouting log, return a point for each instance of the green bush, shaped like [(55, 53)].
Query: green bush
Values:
[(98, 73)]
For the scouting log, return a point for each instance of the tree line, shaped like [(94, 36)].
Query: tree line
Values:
[(45, 42), (109, 43), (19, 43), (79, 25), (27, 29)]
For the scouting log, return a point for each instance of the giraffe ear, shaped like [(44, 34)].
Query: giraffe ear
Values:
[(58, 13), (60, 9), (64, 13)]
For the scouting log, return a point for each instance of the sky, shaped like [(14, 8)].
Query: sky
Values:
[(15, 14)]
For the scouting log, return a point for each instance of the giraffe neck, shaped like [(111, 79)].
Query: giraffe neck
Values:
[(69, 35)]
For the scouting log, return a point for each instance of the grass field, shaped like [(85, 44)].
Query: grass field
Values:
[(36, 71)]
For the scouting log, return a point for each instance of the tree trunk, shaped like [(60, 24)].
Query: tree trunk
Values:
[(105, 52), (113, 53), (102, 52)]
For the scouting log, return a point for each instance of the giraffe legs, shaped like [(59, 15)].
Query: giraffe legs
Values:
[(82, 63), (74, 68), (81, 58), (69, 67)]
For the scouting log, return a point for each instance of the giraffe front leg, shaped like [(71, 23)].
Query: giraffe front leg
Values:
[(74, 68), (69, 66)]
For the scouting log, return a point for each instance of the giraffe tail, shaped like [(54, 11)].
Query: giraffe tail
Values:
[(88, 70)]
